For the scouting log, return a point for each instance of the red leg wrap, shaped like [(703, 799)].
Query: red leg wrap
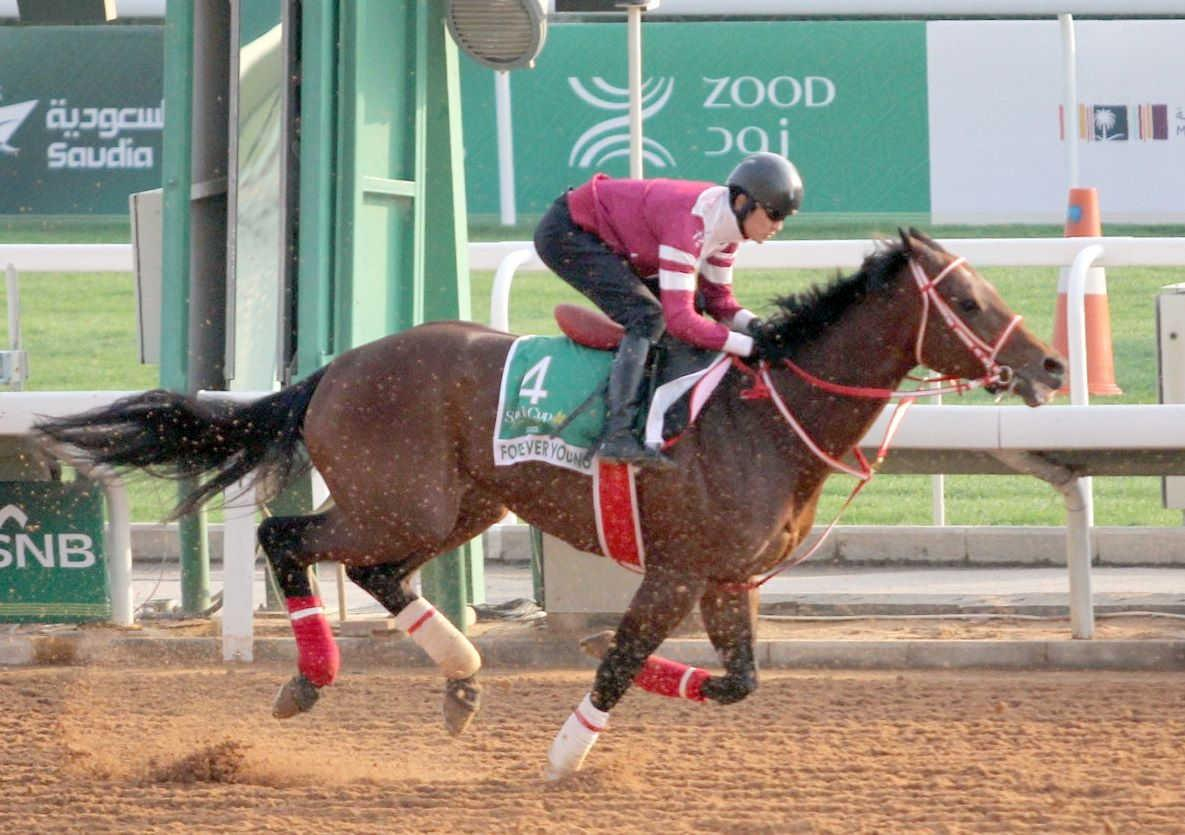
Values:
[(670, 678), (319, 657)]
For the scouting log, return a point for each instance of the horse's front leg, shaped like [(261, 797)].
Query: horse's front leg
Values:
[(661, 602), (730, 614)]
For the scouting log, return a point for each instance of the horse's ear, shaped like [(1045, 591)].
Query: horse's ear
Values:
[(919, 235), (906, 240)]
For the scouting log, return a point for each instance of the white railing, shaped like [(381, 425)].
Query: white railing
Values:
[(510, 257), (67, 258)]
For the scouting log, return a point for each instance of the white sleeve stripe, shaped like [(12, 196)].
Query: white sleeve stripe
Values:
[(671, 280), (740, 344), (743, 317), (717, 275), (678, 256)]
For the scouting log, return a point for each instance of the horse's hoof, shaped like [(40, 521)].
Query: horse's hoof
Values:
[(298, 695), (462, 701), (597, 645)]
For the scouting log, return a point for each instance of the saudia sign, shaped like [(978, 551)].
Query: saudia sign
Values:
[(52, 565), (81, 117), (845, 100)]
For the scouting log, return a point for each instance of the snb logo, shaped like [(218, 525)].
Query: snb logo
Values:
[(610, 138)]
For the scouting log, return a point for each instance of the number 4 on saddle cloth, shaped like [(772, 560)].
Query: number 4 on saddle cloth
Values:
[(551, 408)]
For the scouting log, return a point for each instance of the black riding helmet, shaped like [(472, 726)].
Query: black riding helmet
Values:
[(768, 179)]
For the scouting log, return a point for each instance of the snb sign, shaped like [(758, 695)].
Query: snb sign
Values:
[(747, 92), (52, 566)]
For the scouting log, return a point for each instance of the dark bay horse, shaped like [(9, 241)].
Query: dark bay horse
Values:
[(401, 430)]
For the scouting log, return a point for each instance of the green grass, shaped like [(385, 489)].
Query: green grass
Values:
[(80, 333)]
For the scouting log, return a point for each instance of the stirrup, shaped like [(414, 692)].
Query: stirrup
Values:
[(625, 449)]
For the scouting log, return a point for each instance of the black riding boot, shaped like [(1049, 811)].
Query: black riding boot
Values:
[(620, 442)]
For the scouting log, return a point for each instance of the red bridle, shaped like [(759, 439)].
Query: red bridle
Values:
[(986, 353)]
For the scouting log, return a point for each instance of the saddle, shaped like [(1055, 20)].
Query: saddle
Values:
[(670, 359), (670, 410)]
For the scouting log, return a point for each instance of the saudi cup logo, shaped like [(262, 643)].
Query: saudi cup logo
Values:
[(610, 138)]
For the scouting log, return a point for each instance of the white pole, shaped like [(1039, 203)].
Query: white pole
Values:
[(1070, 97), (506, 202), (634, 25), (1079, 502), (238, 573), (938, 485), (118, 538), (13, 292)]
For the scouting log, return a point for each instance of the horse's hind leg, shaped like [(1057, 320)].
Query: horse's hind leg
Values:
[(294, 543), (661, 602), (445, 644), (285, 540), (730, 613)]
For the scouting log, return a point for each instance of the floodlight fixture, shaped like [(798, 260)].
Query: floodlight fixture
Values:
[(501, 34)]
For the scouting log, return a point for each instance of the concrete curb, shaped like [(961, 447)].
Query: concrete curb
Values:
[(519, 653)]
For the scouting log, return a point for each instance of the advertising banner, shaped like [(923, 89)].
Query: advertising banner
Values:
[(52, 565), (845, 100), (997, 140), (81, 117)]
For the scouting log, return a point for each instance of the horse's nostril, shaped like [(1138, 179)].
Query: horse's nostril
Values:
[(1055, 366)]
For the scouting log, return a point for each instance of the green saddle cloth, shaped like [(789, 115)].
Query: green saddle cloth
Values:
[(551, 405)]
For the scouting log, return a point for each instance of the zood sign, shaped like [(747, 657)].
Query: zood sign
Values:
[(605, 140), (748, 92), (52, 566), (845, 100)]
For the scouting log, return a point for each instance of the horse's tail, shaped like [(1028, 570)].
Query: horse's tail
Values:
[(174, 436)]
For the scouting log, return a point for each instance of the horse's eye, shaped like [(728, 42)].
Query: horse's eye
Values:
[(968, 305)]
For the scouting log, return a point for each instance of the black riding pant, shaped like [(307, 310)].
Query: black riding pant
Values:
[(583, 260)]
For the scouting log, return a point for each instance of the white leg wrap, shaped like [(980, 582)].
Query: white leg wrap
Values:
[(575, 739), (453, 653)]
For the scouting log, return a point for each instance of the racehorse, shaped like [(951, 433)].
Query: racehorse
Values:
[(401, 431)]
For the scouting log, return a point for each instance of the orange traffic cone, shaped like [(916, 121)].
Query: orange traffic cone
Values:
[(1082, 221)]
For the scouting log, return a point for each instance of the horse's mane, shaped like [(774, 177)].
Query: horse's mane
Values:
[(803, 317)]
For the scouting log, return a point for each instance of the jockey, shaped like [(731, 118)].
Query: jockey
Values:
[(627, 244)]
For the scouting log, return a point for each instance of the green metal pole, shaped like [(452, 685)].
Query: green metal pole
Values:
[(318, 172), (175, 258), (455, 579), (175, 164)]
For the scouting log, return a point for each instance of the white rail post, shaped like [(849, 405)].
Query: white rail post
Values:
[(238, 573), (938, 485), (1078, 498), (500, 292), (1079, 494), (117, 538), (13, 293)]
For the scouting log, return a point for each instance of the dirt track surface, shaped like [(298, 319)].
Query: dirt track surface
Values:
[(106, 748)]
